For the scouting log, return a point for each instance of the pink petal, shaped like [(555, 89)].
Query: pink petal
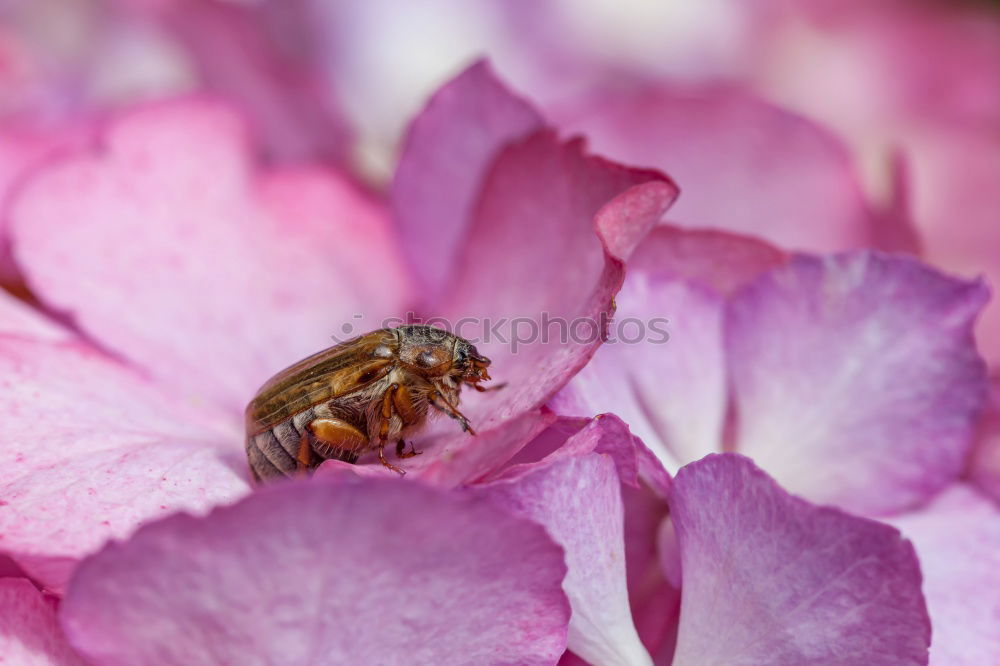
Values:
[(578, 500), (167, 247), (89, 450), (956, 200), (771, 579), (717, 259), (20, 319), (532, 256), (957, 538), (855, 378), (670, 385), (984, 467), (262, 65), (447, 153), (742, 164), (29, 634), (361, 572), (664, 369), (23, 149)]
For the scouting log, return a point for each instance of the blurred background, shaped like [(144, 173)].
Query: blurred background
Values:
[(906, 93)]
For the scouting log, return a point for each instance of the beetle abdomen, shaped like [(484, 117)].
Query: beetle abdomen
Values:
[(272, 453)]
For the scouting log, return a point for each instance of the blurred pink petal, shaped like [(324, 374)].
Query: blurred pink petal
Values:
[(855, 378), (957, 207), (542, 260), (265, 68), (211, 276), (717, 259), (358, 572), (578, 500), (89, 449), (742, 165), (29, 633), (771, 579), (984, 467), (22, 149), (21, 319), (448, 151), (957, 538)]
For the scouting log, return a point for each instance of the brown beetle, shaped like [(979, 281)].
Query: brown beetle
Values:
[(358, 396)]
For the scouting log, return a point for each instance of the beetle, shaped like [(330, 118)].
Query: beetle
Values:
[(357, 396)]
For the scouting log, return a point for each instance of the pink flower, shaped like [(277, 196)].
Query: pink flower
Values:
[(170, 271)]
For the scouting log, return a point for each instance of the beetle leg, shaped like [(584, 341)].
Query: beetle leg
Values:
[(484, 389), (303, 457), (450, 410), (400, 445), (336, 434), (383, 428)]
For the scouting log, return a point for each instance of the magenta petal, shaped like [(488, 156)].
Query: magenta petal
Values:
[(957, 538), (29, 633), (856, 380), (447, 153), (578, 500), (89, 450), (168, 248), (742, 164), (771, 579), (536, 284), (359, 572)]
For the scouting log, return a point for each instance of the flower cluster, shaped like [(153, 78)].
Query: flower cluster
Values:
[(802, 469)]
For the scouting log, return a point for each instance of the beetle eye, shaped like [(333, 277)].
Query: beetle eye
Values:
[(427, 359), (462, 356)]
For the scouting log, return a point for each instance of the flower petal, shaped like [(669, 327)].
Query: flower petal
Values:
[(664, 369), (536, 284), (578, 500), (957, 538), (771, 579), (29, 633), (169, 249), (742, 164), (89, 450), (254, 62), (670, 384), (984, 468), (448, 151), (855, 378), (20, 319), (360, 572)]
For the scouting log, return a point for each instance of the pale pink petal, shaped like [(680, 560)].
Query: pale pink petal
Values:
[(169, 248), (957, 538), (29, 633), (855, 378), (578, 500), (742, 164), (20, 319), (541, 263), (771, 579), (663, 369), (89, 450), (357, 572), (447, 153)]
